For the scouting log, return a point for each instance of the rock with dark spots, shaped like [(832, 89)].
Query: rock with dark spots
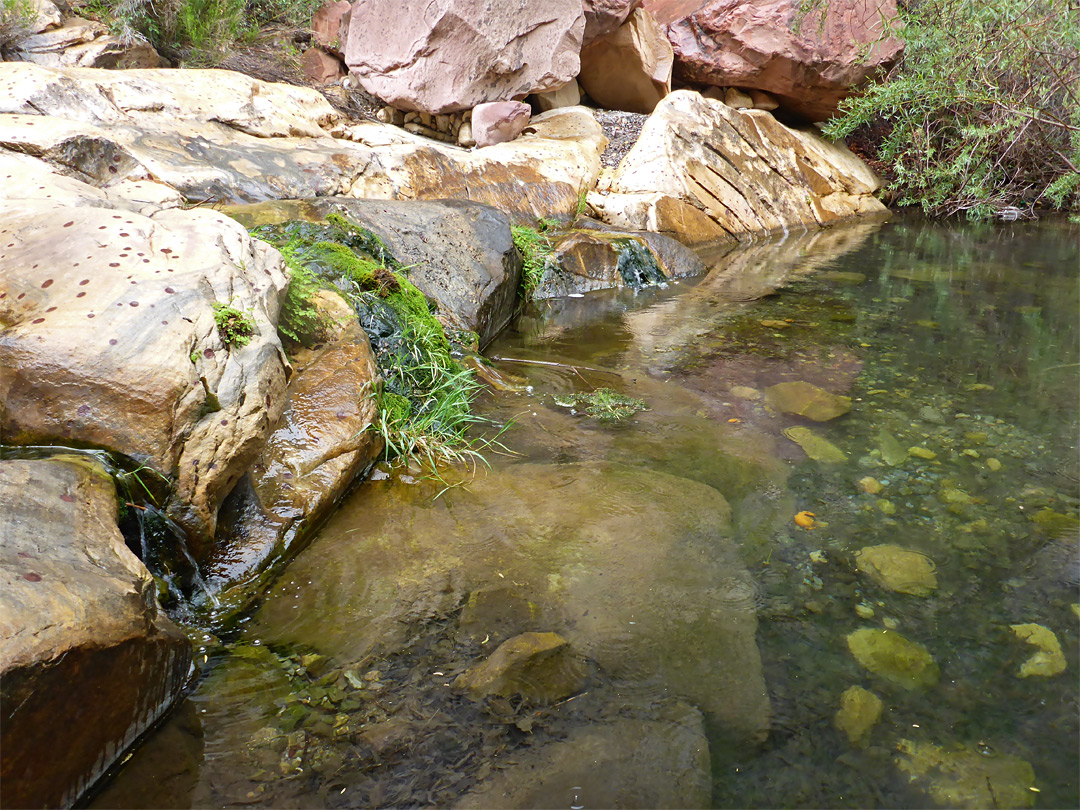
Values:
[(810, 58), (499, 121), (629, 68), (440, 56), (704, 172), (373, 573), (539, 667), (807, 400), (108, 338), (585, 259), (87, 661), (458, 253), (321, 443), (657, 762)]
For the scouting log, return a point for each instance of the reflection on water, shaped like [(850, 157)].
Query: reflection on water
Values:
[(710, 640)]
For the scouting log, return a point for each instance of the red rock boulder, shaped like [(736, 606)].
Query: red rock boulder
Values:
[(810, 61), (441, 56), (330, 25)]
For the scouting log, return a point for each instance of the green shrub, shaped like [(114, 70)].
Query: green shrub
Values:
[(16, 20), (982, 115), (535, 249)]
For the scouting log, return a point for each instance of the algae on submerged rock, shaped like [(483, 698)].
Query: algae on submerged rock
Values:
[(893, 658)]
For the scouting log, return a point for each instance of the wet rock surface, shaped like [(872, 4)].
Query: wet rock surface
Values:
[(395, 567), (88, 662)]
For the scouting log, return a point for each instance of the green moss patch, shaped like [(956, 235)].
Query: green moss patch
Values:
[(604, 404)]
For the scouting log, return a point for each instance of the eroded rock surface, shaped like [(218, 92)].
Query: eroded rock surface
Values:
[(108, 338), (704, 172), (87, 661), (629, 68), (811, 57), (440, 56)]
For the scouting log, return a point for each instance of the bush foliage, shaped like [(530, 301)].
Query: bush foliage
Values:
[(982, 115)]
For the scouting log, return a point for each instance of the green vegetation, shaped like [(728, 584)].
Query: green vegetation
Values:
[(424, 405), (982, 116), (16, 19), (604, 404), (535, 249), (300, 321), (197, 29), (234, 327)]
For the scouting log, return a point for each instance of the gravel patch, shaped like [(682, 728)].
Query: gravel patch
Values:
[(622, 129)]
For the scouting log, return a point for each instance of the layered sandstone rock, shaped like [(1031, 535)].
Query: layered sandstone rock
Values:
[(703, 171), (604, 16), (809, 59), (87, 661), (630, 68), (439, 56)]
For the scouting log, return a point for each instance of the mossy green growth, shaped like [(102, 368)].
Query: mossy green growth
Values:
[(425, 401), (234, 327), (604, 404), (536, 251)]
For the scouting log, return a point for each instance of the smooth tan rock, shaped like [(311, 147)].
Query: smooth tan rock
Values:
[(804, 399), (860, 710), (109, 339), (569, 95), (87, 661), (630, 68), (763, 101), (898, 569), (660, 762), (743, 172), (893, 658), (738, 99), (538, 666), (811, 57), (440, 56), (960, 776), (1049, 660)]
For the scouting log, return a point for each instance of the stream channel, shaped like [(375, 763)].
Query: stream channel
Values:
[(664, 549)]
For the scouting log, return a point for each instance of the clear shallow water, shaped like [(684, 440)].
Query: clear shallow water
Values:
[(664, 550)]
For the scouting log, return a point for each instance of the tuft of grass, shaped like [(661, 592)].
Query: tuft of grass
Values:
[(536, 251), (424, 403), (234, 327), (604, 404)]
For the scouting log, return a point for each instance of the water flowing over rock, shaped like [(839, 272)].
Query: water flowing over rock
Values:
[(661, 762), (538, 666), (809, 58), (109, 338), (446, 55), (630, 68), (704, 172), (582, 566), (87, 661), (216, 135)]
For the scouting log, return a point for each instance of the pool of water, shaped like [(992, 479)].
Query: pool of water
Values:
[(728, 631)]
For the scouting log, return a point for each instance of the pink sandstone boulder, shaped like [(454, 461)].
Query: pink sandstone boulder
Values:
[(330, 25), (630, 68), (499, 121), (604, 16), (440, 56), (810, 61), (321, 67)]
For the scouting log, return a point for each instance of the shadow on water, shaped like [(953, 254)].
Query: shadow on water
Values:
[(663, 549)]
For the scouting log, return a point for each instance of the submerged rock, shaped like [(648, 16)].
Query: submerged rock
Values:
[(961, 777), (893, 658), (898, 569), (87, 660), (807, 400), (538, 666), (577, 540), (627, 763), (860, 710), (816, 447), (1049, 660)]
